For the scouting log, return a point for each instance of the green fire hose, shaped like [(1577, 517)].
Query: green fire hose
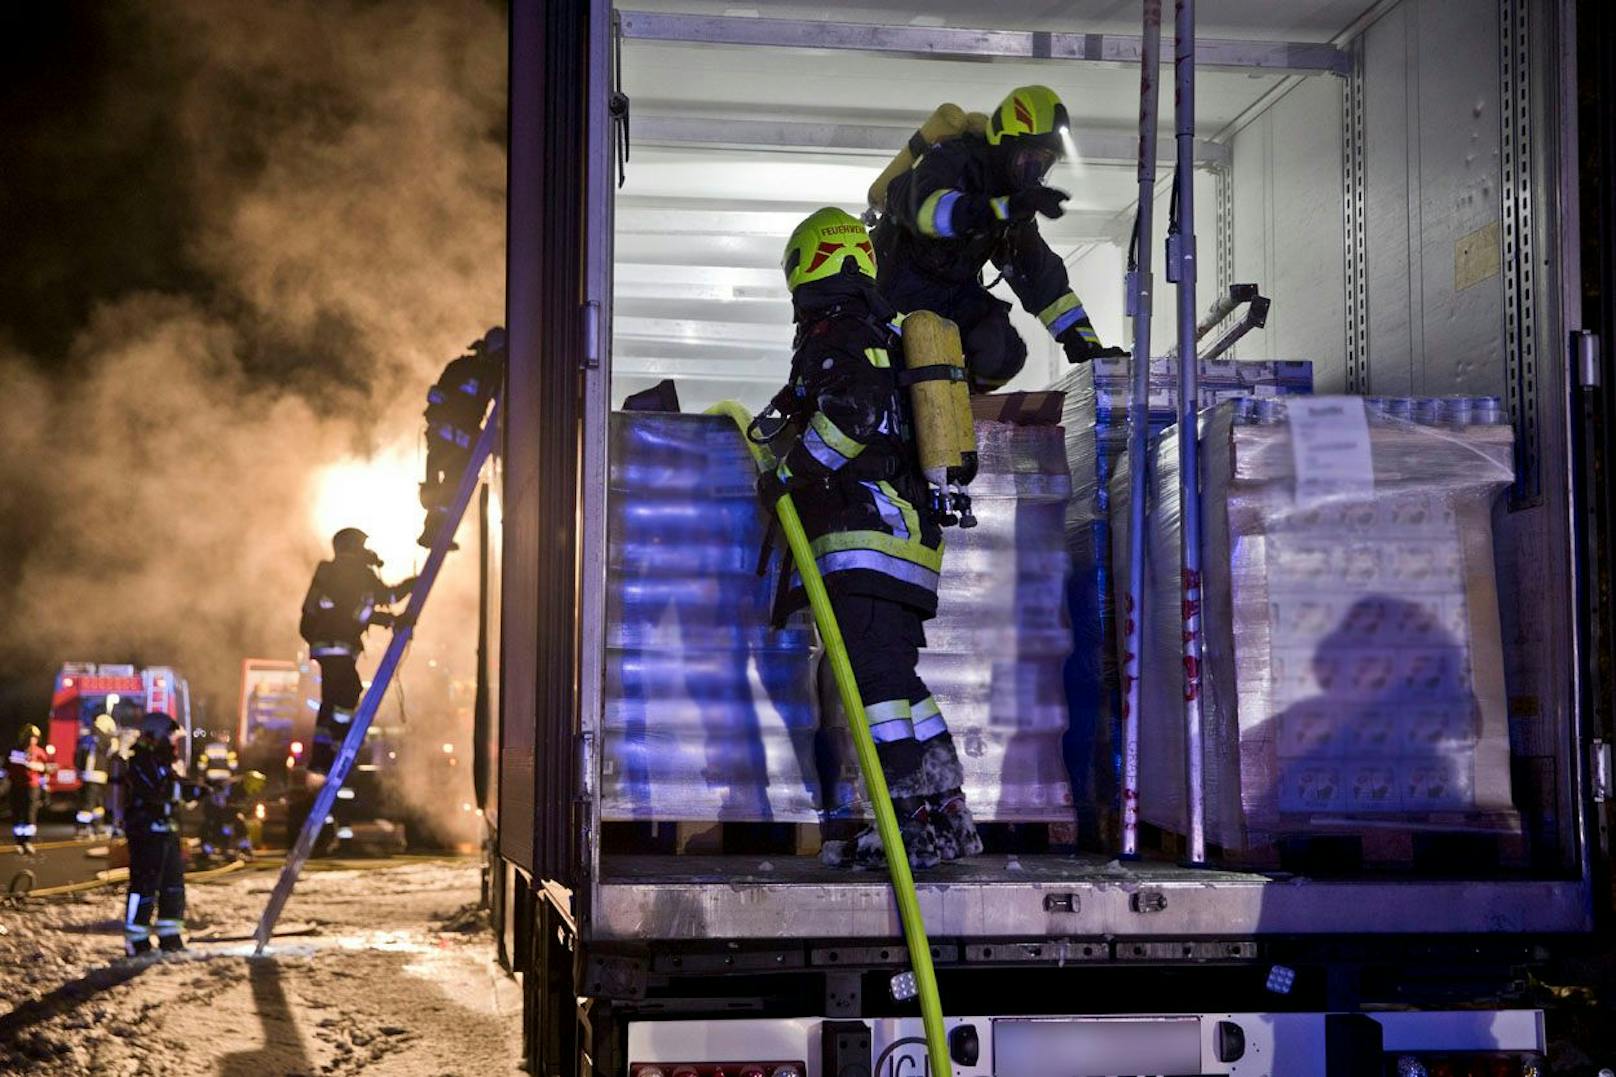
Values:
[(875, 782)]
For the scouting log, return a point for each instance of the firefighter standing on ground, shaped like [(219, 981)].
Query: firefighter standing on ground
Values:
[(153, 784), (854, 476), (455, 407), (976, 198), (92, 756), (26, 770), (343, 600)]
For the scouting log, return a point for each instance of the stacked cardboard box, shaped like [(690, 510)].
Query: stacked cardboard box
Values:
[(1353, 663), (1095, 419)]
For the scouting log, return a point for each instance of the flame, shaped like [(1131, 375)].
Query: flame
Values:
[(380, 495)]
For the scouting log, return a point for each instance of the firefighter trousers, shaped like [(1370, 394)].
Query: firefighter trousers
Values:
[(340, 689), (156, 885), (883, 640), (24, 811)]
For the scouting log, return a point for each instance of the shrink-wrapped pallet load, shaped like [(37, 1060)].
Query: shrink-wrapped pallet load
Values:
[(1353, 666)]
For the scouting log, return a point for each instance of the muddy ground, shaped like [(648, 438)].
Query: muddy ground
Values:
[(387, 970)]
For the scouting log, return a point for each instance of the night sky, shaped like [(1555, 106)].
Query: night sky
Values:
[(236, 243)]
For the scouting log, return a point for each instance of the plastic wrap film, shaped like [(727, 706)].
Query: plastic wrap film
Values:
[(1000, 638), (1095, 418), (709, 714), (1353, 672)]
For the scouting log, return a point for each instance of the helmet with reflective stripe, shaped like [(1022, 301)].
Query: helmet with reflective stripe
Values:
[(27, 733), (822, 245), (1028, 110), (105, 725)]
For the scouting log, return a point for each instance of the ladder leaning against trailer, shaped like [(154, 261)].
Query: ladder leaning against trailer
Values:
[(403, 631)]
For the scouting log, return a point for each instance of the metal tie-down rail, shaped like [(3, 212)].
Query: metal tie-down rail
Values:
[(403, 631)]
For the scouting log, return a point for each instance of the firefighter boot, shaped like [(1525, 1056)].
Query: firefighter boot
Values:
[(956, 830), (865, 851), (435, 521)]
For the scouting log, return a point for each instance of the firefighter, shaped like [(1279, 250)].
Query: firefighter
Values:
[(852, 470), (455, 407), (26, 768), (973, 199), (91, 758), (153, 784), (224, 833), (343, 600)]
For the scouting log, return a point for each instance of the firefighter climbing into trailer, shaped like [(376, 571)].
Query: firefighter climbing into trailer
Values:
[(454, 413), (153, 784), (966, 191), (849, 461), (344, 599)]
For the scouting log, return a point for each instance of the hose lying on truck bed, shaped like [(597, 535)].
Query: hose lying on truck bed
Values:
[(875, 782)]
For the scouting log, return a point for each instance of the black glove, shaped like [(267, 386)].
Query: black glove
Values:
[(1042, 200), (1081, 349), (770, 489)]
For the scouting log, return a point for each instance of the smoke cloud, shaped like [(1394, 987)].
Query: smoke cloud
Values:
[(320, 191)]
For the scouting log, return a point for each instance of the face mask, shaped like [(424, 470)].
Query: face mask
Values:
[(1029, 165)]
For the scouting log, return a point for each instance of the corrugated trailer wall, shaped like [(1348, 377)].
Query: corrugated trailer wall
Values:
[(1287, 228)]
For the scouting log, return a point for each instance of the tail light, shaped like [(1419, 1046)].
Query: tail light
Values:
[(718, 1069)]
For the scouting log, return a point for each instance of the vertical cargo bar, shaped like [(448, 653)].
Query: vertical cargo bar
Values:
[(1189, 394), (1141, 289)]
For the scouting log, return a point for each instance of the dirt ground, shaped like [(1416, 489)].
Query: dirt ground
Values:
[(386, 970)]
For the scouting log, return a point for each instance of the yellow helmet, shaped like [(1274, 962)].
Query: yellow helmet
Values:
[(105, 725), (1028, 110), (26, 733), (821, 246), (253, 782)]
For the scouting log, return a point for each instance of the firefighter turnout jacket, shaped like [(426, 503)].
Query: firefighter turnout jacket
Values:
[(153, 787), (456, 404), (950, 215), (851, 465), (342, 601), (26, 767)]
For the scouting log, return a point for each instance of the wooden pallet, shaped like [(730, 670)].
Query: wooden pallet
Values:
[(705, 837), (1431, 853)]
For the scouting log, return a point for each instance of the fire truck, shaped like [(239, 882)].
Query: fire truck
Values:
[(86, 689)]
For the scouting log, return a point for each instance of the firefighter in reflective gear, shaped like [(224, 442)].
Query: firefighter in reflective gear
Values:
[(26, 769), (153, 784), (851, 467), (344, 598), (224, 834), (974, 199), (91, 758), (455, 407)]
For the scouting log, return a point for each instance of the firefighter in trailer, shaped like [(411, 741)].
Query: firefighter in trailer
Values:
[(26, 768), (91, 757), (153, 784), (344, 599), (970, 199), (455, 408), (849, 462)]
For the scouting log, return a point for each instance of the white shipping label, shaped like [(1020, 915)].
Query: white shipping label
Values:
[(1330, 447)]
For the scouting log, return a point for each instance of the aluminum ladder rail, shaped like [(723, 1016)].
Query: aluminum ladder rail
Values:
[(403, 631)]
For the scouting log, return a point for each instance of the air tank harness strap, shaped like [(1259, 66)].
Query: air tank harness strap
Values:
[(935, 372)]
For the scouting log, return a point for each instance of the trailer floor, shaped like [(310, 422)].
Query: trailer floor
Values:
[(661, 897)]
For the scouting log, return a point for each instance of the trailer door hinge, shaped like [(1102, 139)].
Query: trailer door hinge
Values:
[(592, 317), (1585, 345), (1601, 770)]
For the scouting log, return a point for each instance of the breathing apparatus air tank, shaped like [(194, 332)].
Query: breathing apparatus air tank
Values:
[(945, 436), (947, 121)]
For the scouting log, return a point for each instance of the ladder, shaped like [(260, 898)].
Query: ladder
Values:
[(403, 630)]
